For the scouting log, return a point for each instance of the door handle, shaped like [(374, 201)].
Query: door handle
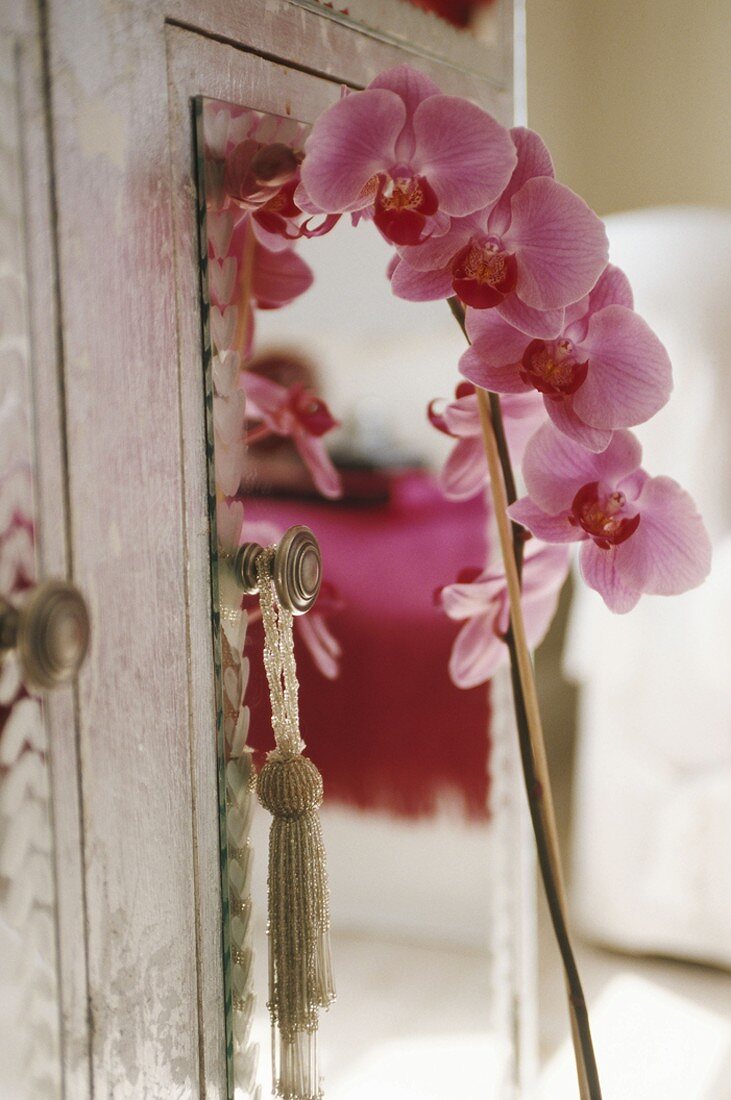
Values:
[(296, 569), (49, 631)]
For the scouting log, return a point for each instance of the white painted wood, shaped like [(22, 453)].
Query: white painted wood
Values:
[(21, 18), (110, 124), (121, 77)]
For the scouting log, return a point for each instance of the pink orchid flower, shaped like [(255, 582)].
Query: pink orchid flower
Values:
[(638, 533), (312, 628), (406, 155), (481, 598), (277, 276), (605, 370), (534, 251), (295, 412), (465, 472)]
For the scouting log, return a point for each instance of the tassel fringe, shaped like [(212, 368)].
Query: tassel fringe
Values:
[(300, 972)]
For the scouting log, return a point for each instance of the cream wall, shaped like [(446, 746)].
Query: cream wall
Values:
[(633, 97)]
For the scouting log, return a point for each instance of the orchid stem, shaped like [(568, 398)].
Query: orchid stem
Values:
[(529, 726)]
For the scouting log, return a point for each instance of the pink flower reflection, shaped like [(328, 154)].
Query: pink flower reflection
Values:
[(297, 413)]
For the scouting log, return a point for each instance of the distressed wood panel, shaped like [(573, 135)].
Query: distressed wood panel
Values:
[(35, 195), (30, 1031), (138, 534), (347, 52), (109, 103)]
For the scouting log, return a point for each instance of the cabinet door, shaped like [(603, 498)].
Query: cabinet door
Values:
[(123, 82), (43, 990)]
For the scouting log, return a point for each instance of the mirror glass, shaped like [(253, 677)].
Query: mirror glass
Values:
[(318, 385)]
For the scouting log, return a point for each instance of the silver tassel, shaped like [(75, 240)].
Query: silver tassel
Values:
[(290, 787)]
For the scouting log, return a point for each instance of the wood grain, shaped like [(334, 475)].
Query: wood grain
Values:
[(35, 196), (121, 77)]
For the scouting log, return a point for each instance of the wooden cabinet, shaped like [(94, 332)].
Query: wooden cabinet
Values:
[(101, 97)]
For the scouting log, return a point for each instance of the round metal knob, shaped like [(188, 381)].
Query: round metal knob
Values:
[(296, 569), (49, 631)]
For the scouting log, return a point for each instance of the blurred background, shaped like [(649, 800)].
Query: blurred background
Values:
[(633, 98)]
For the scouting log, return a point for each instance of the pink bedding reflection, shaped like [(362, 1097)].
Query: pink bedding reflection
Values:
[(392, 731)]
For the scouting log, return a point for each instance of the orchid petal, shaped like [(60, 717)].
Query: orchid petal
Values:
[(539, 324), (612, 289), (465, 153), (670, 552), (412, 87), (326, 478), (324, 648), (351, 142), (462, 417), (408, 83), (545, 568), (534, 159), (629, 377), (561, 411), (475, 364), (494, 359), (599, 570), (555, 468), (439, 250), (420, 286), (559, 242), (273, 242), (265, 397), (279, 277), (465, 472), (477, 653), (523, 414), (466, 599), (551, 528)]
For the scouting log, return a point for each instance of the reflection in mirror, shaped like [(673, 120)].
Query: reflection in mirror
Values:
[(318, 386)]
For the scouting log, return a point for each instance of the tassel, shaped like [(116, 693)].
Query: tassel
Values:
[(290, 787)]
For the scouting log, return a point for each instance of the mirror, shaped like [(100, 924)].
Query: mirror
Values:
[(318, 382)]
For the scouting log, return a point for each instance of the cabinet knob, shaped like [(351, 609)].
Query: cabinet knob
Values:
[(296, 569), (50, 633)]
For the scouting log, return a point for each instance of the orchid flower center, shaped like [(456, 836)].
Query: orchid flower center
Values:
[(604, 516), (310, 411), (283, 201), (483, 273), (403, 202), (553, 367)]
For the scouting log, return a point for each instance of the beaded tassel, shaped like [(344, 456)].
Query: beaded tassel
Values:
[(290, 787)]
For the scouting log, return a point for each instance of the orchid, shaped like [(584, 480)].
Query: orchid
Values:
[(537, 249), (277, 277), (407, 156), (465, 472), (639, 534), (295, 412), (481, 598), (606, 369), (476, 216)]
